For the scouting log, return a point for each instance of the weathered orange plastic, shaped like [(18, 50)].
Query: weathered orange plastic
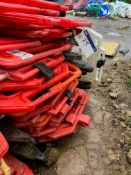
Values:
[(8, 60), (11, 7), (42, 115), (26, 72), (3, 146), (70, 127), (39, 3), (44, 20), (27, 101), (17, 167), (21, 45), (8, 85)]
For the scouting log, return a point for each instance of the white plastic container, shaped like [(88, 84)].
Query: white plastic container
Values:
[(99, 54)]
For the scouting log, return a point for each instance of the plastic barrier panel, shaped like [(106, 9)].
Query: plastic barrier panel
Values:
[(18, 167), (27, 101), (39, 3), (8, 7), (71, 123), (3, 146), (30, 71), (16, 61), (8, 85)]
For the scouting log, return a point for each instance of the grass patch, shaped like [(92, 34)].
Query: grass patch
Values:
[(128, 83)]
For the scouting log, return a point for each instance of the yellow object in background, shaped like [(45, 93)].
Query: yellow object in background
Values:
[(111, 48)]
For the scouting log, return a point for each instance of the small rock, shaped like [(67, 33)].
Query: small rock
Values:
[(121, 141), (100, 85), (116, 106), (128, 114), (112, 156), (109, 80), (129, 157), (111, 88), (123, 113), (103, 82), (103, 108), (115, 64), (123, 106), (129, 65), (126, 147), (128, 138), (128, 118), (115, 122), (129, 73), (123, 124), (121, 117), (116, 167), (113, 95)]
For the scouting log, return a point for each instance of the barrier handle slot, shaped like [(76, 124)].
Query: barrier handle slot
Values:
[(48, 72)]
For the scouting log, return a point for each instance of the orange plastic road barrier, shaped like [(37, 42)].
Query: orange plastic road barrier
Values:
[(21, 45), (68, 128), (61, 72), (64, 98), (3, 146), (17, 167), (25, 121), (8, 85), (35, 34), (12, 40), (56, 120), (11, 7), (40, 3), (43, 113), (39, 130), (43, 47), (17, 61), (44, 20), (27, 101), (29, 71)]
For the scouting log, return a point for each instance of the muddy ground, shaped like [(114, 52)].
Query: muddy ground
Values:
[(102, 148)]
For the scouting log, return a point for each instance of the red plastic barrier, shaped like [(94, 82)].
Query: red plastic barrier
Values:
[(11, 7), (34, 34), (3, 146), (27, 101), (44, 20), (10, 40), (39, 3), (3, 24), (63, 99), (28, 20), (40, 130), (21, 45), (39, 118), (17, 167), (43, 47), (28, 34), (25, 120), (8, 85), (68, 128), (56, 120), (16, 61), (29, 71)]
